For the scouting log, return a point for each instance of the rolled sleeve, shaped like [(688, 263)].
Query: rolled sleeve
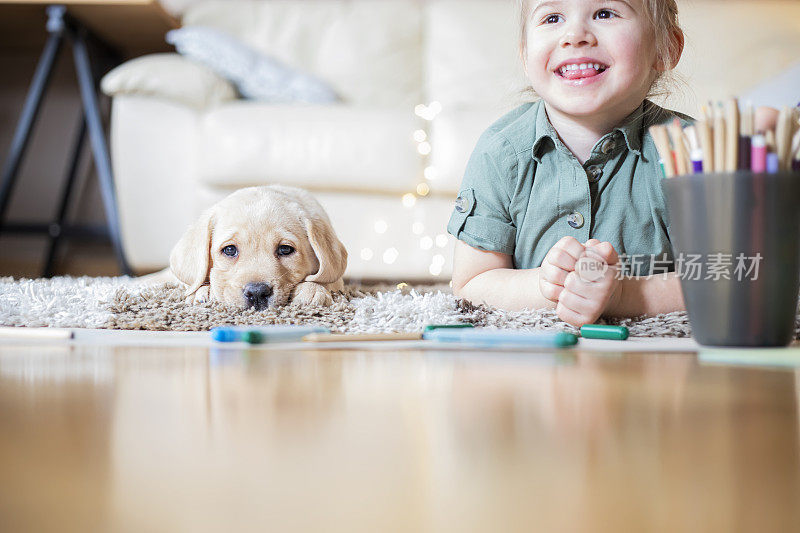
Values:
[(481, 214)]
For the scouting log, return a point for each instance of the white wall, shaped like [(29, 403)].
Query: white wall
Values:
[(732, 46)]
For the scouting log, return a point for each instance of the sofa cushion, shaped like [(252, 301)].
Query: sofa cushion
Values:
[(256, 75), (169, 76), (324, 147), (472, 53), (368, 51)]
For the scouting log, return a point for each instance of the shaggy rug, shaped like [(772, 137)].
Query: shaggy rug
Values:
[(118, 303)]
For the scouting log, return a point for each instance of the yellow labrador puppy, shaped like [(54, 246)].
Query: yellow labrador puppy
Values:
[(261, 247)]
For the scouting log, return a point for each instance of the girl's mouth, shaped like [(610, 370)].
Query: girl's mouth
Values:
[(580, 71)]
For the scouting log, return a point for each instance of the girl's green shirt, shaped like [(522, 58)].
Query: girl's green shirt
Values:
[(523, 190)]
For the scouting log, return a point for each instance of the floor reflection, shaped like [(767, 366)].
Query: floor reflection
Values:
[(214, 439)]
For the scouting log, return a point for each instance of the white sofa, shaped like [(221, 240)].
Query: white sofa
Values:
[(180, 139)]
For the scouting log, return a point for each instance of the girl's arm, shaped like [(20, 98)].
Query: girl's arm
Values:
[(489, 277), (649, 295)]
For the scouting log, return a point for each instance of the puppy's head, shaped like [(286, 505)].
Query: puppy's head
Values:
[(256, 245)]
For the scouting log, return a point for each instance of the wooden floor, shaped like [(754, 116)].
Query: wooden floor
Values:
[(95, 437)]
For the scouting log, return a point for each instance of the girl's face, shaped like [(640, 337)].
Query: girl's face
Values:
[(590, 57)]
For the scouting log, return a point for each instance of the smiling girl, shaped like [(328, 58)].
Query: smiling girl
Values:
[(559, 190)]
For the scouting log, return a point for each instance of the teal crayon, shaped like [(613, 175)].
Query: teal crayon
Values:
[(600, 331), (262, 334), (496, 338), (431, 327)]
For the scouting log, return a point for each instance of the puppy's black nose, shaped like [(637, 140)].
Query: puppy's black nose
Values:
[(257, 295)]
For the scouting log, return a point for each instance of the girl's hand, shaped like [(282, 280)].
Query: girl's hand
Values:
[(592, 287), (557, 265)]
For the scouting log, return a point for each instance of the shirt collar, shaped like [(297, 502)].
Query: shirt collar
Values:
[(630, 130)]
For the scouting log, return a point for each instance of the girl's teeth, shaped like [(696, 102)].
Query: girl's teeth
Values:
[(581, 66)]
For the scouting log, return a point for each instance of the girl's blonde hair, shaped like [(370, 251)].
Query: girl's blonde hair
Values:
[(663, 18)]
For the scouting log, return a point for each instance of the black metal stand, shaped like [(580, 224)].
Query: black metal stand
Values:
[(60, 26)]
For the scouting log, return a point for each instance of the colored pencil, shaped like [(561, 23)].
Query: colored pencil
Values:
[(361, 337), (758, 159), (695, 152), (661, 140), (732, 133), (682, 161), (705, 137), (20, 332), (720, 137), (783, 139)]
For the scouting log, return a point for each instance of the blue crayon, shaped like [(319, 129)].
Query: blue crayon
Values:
[(773, 163), (261, 334), (497, 338)]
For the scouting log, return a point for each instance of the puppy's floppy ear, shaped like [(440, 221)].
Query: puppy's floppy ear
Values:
[(190, 259), (329, 250)]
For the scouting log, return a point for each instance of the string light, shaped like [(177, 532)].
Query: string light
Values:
[(423, 189), (409, 200), (390, 256), (426, 243), (437, 262), (366, 254), (417, 228), (420, 135), (381, 226), (441, 240), (428, 112)]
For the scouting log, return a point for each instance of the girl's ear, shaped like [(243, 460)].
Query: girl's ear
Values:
[(677, 42)]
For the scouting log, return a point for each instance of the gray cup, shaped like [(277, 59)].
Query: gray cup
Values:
[(747, 226)]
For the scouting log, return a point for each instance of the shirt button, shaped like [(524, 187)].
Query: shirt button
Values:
[(461, 204), (594, 172), (575, 219), (608, 146)]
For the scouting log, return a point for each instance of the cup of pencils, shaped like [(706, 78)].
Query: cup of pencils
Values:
[(733, 194)]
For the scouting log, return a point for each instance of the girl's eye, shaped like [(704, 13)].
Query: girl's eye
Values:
[(230, 251), (604, 14), (552, 19), (285, 249)]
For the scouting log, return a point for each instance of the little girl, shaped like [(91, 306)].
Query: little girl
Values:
[(559, 191)]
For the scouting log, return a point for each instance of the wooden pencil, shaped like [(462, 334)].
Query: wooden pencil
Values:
[(682, 161), (35, 333), (769, 135), (732, 144), (360, 337), (720, 138), (748, 117), (706, 138), (705, 112), (661, 140), (783, 138), (796, 144)]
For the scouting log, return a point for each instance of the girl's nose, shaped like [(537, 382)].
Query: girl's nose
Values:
[(577, 33)]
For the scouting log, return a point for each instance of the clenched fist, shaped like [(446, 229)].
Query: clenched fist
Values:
[(557, 265), (592, 286)]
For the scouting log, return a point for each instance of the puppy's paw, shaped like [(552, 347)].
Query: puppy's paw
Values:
[(203, 294), (310, 293)]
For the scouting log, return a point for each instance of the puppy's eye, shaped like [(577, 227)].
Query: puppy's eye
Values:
[(285, 249), (230, 251)]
